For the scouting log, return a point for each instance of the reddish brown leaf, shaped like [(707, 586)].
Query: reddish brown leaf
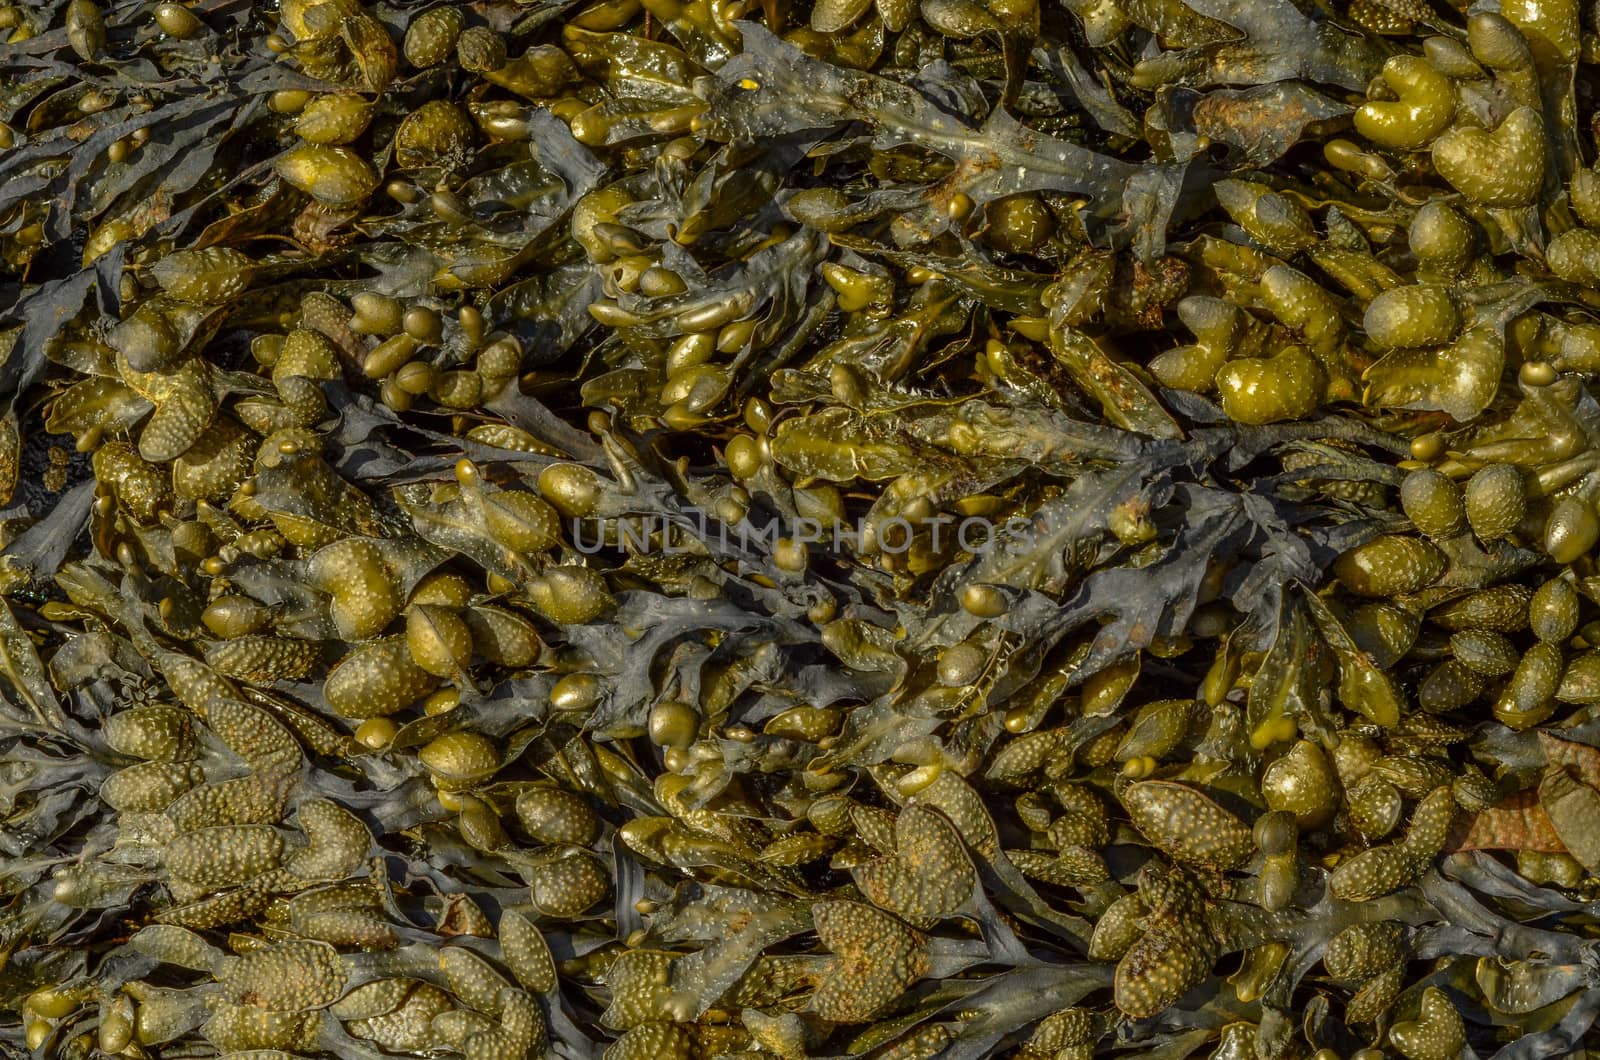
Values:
[(1580, 758), (1517, 823)]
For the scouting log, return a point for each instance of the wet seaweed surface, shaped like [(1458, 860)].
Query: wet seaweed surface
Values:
[(678, 529)]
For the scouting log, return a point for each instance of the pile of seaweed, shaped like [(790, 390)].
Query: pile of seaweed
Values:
[(675, 529)]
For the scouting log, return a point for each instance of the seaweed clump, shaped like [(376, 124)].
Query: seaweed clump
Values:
[(652, 529)]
